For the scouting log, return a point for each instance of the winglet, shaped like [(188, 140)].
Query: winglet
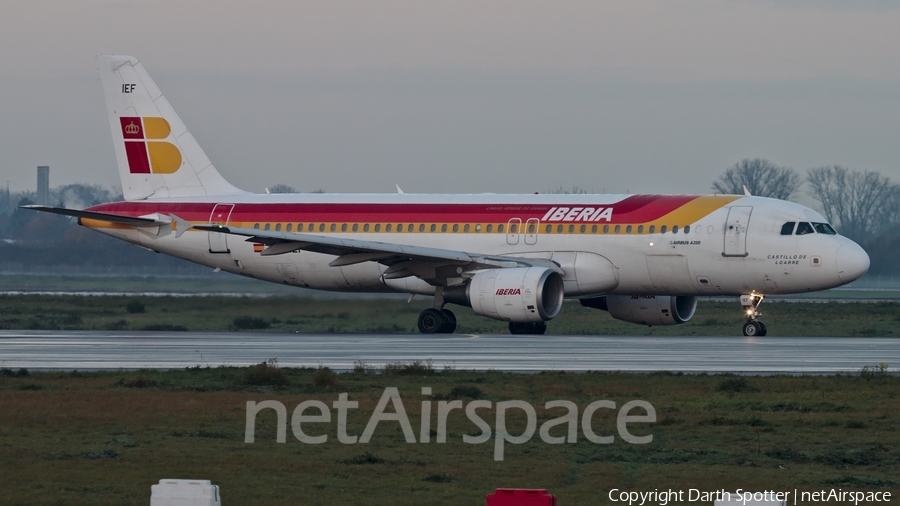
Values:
[(399, 191), (747, 192)]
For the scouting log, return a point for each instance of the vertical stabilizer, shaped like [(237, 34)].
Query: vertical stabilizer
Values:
[(157, 155)]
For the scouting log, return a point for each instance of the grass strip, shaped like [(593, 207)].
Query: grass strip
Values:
[(103, 438)]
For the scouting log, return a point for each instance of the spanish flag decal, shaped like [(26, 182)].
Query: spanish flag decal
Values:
[(147, 152)]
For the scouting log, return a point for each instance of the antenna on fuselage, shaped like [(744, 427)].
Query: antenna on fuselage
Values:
[(747, 192)]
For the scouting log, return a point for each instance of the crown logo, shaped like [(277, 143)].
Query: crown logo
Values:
[(132, 129)]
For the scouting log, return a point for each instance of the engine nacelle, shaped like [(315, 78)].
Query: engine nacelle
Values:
[(646, 309), (522, 295)]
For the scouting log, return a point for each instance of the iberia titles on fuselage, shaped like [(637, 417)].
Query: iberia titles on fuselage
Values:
[(643, 258)]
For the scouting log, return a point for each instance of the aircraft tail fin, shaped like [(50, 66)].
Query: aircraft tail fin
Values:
[(156, 154)]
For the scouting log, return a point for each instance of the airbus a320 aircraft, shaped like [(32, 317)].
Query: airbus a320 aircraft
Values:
[(643, 258)]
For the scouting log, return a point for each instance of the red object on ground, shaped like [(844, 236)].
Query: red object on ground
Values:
[(520, 497)]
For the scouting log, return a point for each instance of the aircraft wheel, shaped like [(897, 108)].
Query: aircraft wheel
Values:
[(763, 329), (431, 321), (449, 322), (539, 328), (752, 329)]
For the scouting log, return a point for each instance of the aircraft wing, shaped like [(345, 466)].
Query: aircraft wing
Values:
[(134, 221), (430, 264)]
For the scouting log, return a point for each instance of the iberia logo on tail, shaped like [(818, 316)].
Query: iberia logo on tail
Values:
[(147, 154)]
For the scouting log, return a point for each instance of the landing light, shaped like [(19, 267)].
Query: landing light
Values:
[(651, 244)]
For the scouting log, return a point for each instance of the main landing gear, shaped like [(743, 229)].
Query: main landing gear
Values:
[(753, 327), (437, 321)]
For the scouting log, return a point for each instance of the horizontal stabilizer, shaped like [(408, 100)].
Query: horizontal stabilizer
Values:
[(133, 221)]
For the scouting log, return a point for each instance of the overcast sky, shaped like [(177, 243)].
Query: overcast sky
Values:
[(464, 95)]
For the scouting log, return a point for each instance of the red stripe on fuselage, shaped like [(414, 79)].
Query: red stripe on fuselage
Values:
[(633, 209)]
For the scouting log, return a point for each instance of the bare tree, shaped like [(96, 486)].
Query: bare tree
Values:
[(859, 203), (79, 196), (893, 215), (761, 177)]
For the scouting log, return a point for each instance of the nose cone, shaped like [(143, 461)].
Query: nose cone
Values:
[(852, 262)]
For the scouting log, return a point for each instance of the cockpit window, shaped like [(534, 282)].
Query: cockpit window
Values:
[(804, 228), (824, 228), (788, 228)]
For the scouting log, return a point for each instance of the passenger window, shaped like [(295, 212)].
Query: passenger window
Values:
[(321, 227), (490, 228), (433, 227), (299, 227), (387, 228), (421, 227), (466, 227), (605, 229), (571, 229), (687, 229), (267, 226), (628, 229), (355, 227), (593, 229), (804, 228), (640, 229), (559, 229), (824, 228), (278, 227), (788, 228), (343, 227), (366, 227), (256, 226), (662, 229), (675, 229), (618, 228), (549, 228), (499, 228), (652, 229), (455, 227), (289, 227), (583, 228)]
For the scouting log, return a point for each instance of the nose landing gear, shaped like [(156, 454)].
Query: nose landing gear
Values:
[(753, 327)]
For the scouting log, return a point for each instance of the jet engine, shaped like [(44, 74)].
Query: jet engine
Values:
[(522, 294), (646, 309)]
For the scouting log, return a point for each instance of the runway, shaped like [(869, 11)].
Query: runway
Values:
[(90, 350)]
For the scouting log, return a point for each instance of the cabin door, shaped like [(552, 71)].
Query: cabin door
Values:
[(218, 242), (736, 231)]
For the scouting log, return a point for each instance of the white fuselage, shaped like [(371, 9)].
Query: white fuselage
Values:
[(728, 247)]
